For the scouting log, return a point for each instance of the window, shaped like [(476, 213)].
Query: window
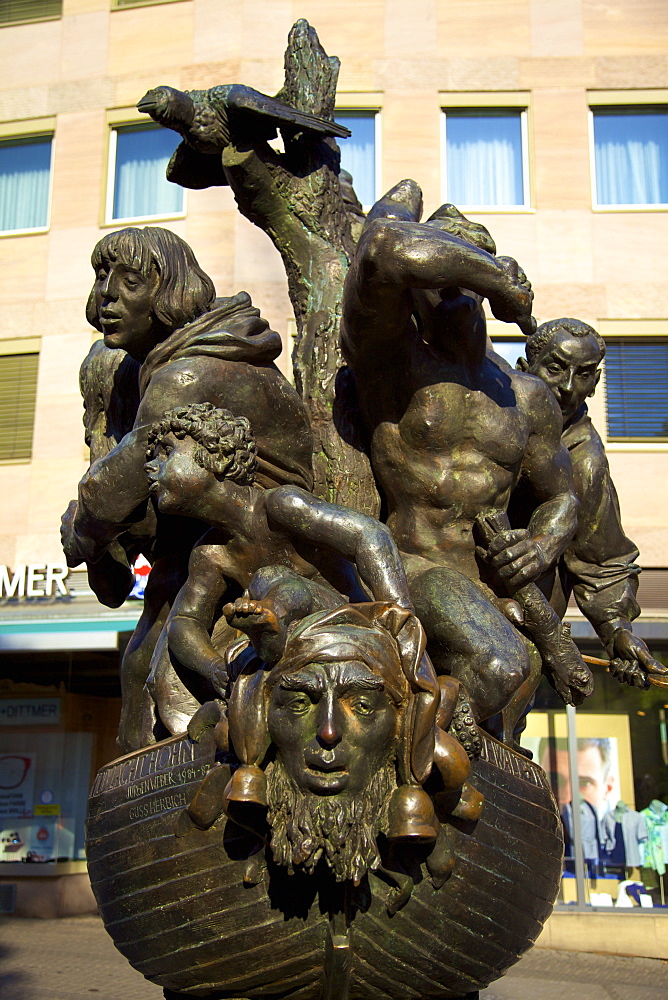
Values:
[(509, 348), (15, 11), (486, 159), (25, 183), (138, 187), (359, 152), (18, 389), (636, 375), (630, 156)]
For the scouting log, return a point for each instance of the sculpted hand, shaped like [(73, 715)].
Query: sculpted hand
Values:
[(516, 557), (69, 538), (218, 674), (513, 304), (631, 660)]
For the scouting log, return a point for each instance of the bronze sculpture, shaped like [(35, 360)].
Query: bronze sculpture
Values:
[(333, 823), (203, 465), (151, 298), (599, 565), (451, 435)]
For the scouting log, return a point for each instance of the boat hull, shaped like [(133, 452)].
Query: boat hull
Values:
[(179, 910)]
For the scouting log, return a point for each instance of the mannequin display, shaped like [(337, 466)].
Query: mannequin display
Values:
[(623, 831)]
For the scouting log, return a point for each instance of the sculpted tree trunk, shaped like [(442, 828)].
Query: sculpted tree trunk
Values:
[(295, 197)]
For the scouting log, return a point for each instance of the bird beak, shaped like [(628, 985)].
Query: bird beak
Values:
[(149, 102)]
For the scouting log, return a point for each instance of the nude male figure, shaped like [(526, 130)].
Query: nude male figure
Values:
[(452, 434)]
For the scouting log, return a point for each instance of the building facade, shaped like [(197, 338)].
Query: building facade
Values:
[(547, 121)]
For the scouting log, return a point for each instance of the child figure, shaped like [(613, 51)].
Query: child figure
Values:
[(201, 464), (296, 558)]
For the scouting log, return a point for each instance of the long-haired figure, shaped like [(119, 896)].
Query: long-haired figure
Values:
[(151, 299)]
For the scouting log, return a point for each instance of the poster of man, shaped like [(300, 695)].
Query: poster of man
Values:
[(605, 766), (598, 770)]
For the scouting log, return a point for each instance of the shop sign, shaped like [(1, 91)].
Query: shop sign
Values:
[(29, 712), (34, 580)]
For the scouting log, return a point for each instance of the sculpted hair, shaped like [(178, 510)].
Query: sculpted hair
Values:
[(184, 290), (226, 444), (575, 327)]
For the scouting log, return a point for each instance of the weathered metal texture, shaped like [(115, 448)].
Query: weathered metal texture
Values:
[(296, 198), (179, 911)]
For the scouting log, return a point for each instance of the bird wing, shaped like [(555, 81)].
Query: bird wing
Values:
[(249, 101)]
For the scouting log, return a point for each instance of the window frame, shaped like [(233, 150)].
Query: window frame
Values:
[(478, 102), (370, 104), (622, 100), (643, 330), (10, 348), (33, 20), (131, 4), (117, 121), (22, 131)]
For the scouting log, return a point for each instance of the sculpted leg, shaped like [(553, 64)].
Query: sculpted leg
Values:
[(163, 584), (470, 639), (134, 671)]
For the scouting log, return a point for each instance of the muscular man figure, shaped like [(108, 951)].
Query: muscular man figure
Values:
[(452, 434), (599, 566), (151, 298)]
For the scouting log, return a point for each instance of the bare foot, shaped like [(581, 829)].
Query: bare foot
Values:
[(249, 616)]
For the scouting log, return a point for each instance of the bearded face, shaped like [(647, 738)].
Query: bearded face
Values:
[(335, 729), (342, 829)]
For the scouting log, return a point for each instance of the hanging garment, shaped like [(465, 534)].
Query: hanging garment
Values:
[(656, 818), (589, 828), (625, 825)]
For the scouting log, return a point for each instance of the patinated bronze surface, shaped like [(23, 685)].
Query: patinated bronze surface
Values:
[(152, 300), (599, 566), (193, 915), (340, 811)]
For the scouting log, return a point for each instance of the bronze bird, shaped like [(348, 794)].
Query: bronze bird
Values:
[(208, 118)]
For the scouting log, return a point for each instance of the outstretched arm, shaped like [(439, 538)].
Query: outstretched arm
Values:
[(520, 556), (367, 543), (395, 256)]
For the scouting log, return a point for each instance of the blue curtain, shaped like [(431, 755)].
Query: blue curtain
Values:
[(358, 153), (484, 158), (631, 155), (25, 167), (140, 185)]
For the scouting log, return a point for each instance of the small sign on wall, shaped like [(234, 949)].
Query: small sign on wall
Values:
[(29, 711)]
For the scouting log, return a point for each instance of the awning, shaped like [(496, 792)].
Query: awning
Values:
[(77, 622)]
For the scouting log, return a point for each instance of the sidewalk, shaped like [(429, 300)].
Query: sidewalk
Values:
[(74, 959)]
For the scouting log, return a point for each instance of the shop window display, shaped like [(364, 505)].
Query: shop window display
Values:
[(621, 792), (44, 780)]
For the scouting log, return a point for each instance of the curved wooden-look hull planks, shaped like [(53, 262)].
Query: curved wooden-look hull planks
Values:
[(179, 910)]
